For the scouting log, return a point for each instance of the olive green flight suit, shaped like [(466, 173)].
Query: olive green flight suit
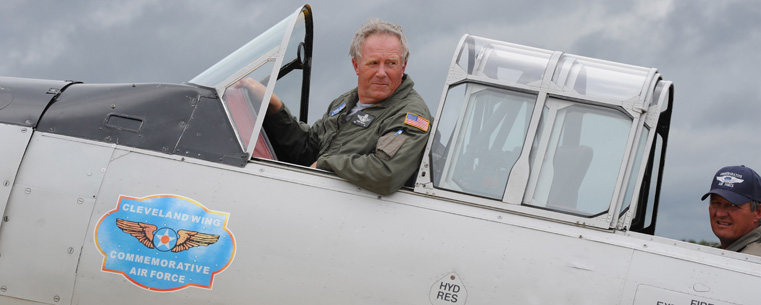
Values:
[(378, 149)]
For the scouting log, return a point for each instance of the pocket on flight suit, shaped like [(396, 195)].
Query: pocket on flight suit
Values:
[(389, 144)]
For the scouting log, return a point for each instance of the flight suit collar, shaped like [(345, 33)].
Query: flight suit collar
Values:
[(404, 89), (749, 238)]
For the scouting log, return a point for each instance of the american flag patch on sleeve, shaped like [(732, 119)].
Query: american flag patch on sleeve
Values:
[(414, 120)]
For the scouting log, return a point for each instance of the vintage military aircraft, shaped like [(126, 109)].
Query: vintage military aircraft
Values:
[(539, 185)]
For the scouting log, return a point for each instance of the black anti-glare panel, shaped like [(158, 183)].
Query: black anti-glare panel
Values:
[(168, 118), (22, 101)]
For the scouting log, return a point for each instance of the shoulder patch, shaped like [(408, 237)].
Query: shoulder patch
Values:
[(416, 121), (338, 109)]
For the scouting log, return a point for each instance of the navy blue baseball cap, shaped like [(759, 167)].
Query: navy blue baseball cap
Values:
[(737, 184)]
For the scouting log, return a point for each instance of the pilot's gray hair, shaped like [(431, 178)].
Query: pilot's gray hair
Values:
[(376, 26)]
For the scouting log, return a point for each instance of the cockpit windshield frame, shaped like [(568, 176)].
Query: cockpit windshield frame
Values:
[(267, 51)]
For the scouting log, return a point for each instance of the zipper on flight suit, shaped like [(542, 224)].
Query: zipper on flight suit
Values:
[(340, 122)]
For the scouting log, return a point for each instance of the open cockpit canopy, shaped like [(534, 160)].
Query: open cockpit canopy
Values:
[(268, 58), (551, 134), (209, 118)]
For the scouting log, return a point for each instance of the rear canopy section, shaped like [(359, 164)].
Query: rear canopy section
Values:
[(552, 134)]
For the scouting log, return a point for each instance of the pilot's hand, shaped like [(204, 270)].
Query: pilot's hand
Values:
[(314, 165), (258, 89)]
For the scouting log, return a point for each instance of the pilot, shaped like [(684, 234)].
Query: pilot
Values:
[(734, 209), (373, 135)]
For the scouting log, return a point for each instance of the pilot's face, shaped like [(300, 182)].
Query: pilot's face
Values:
[(380, 68), (729, 222)]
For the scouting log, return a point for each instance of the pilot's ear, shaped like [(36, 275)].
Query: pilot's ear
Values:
[(757, 215), (356, 65)]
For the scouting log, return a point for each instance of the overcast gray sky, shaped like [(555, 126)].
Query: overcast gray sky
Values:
[(708, 48)]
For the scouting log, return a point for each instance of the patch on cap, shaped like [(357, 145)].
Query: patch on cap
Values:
[(738, 184), (728, 179)]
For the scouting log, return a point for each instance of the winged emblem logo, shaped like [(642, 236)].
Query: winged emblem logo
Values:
[(363, 118), (728, 180), (165, 239), (168, 226)]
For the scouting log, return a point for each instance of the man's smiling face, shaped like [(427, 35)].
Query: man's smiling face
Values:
[(729, 222)]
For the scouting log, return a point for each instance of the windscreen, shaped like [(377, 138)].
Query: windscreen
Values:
[(247, 76)]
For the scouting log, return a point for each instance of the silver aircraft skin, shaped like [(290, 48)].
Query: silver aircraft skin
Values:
[(539, 185)]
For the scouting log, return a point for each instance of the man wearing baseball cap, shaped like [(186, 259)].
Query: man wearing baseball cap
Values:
[(734, 209)]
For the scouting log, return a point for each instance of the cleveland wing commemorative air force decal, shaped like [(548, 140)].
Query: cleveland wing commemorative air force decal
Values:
[(165, 242)]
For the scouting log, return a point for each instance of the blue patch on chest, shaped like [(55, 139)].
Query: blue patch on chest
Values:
[(338, 109)]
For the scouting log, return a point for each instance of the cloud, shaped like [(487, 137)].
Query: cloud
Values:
[(707, 48)]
